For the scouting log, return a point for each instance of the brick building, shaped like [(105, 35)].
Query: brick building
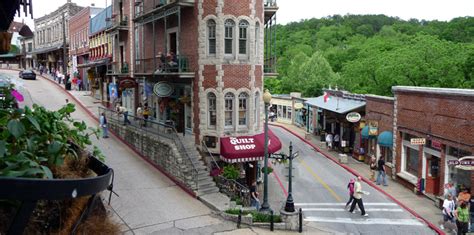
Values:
[(199, 64), (379, 114), (433, 130), (79, 42), (51, 36)]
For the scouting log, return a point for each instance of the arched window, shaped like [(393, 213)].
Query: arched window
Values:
[(229, 109), (243, 104), (257, 109), (257, 38), (229, 36), (243, 26), (211, 102), (211, 35)]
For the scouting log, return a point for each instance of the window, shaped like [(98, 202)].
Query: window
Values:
[(211, 101), (257, 108), (288, 114), (387, 153), (257, 37), (211, 30), (229, 36), (243, 25), (229, 109), (30, 47), (243, 97), (411, 163)]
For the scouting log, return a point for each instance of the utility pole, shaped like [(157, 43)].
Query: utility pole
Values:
[(64, 47)]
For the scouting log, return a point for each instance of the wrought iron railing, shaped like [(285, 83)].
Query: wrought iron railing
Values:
[(270, 3), (149, 127), (163, 65), (233, 189), (214, 165)]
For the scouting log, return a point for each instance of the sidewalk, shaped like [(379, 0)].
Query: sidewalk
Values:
[(421, 205)]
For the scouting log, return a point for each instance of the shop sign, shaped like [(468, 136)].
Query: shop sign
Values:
[(298, 106), (353, 117), (436, 145), (127, 83), (464, 163), (373, 128), (163, 89), (243, 143), (113, 91), (417, 141)]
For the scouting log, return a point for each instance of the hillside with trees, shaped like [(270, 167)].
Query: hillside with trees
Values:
[(370, 53)]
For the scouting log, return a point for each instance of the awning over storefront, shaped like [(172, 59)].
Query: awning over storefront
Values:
[(385, 139), (365, 133), (94, 63), (248, 148), (47, 49), (336, 104)]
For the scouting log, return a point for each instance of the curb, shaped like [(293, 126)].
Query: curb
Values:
[(432, 226), (159, 168)]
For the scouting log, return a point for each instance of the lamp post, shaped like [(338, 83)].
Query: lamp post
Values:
[(267, 97), (289, 205)]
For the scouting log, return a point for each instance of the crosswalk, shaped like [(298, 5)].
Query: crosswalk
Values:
[(381, 213)]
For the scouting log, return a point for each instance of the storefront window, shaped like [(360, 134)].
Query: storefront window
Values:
[(243, 108), (459, 176), (288, 113), (387, 153), (229, 109), (411, 163), (284, 112)]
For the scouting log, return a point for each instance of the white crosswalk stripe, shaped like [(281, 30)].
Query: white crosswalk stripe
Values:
[(383, 214)]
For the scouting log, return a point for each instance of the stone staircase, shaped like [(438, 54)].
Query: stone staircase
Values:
[(205, 183)]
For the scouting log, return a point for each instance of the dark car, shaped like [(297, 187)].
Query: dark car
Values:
[(28, 74)]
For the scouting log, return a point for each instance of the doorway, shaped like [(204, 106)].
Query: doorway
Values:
[(172, 43)]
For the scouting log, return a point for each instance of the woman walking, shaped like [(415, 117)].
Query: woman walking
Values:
[(350, 186), (103, 125), (462, 218), (373, 168)]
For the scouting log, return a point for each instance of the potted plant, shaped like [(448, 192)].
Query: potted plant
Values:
[(49, 182)]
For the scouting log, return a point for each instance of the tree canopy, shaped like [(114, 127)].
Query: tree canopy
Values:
[(372, 53)]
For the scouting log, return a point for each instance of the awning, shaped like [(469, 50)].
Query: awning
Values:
[(248, 148), (365, 133), (336, 104), (385, 139), (47, 49), (94, 63)]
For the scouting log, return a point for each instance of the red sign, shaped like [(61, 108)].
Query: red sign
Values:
[(127, 83), (435, 144)]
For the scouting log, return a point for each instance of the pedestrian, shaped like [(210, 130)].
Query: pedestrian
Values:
[(464, 195), (124, 111), (350, 186), (448, 210), (373, 168), (337, 140), (329, 140), (381, 176), (462, 218), (450, 189), (103, 125), (254, 201), (358, 197), (146, 113), (67, 101)]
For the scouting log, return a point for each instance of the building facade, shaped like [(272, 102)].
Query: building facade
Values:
[(199, 64), (27, 45), (79, 43), (52, 38), (433, 133)]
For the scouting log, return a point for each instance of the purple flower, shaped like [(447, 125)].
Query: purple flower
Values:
[(17, 95)]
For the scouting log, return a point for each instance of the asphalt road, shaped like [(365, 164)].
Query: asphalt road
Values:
[(320, 189)]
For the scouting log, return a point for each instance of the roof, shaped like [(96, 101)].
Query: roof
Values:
[(434, 90), (336, 104), (99, 22), (21, 29)]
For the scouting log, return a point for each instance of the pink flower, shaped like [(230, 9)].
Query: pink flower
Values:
[(17, 95)]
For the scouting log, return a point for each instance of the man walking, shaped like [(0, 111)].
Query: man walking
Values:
[(124, 111), (381, 176), (358, 197), (329, 140), (103, 125)]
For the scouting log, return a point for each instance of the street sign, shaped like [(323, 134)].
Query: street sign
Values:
[(353, 117), (417, 141)]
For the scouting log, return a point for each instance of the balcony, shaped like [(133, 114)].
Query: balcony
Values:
[(118, 69), (118, 23), (158, 67), (271, 8), (157, 9)]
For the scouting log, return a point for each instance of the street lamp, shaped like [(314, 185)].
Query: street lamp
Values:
[(289, 205), (267, 97)]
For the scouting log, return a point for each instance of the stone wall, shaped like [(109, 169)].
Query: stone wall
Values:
[(160, 151)]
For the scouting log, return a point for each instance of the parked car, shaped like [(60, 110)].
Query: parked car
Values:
[(28, 74)]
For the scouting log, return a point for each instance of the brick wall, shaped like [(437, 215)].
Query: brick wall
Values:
[(236, 7), (380, 110), (209, 73), (236, 76), (79, 23)]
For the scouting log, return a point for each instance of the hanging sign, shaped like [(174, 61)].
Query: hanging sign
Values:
[(373, 128), (417, 141), (127, 83), (163, 89), (353, 117), (464, 163)]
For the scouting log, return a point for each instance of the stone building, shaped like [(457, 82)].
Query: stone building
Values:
[(434, 137), (79, 42), (199, 64), (51, 36)]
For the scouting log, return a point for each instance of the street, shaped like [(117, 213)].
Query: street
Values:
[(320, 189)]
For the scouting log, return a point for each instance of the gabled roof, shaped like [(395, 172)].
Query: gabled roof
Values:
[(20, 28)]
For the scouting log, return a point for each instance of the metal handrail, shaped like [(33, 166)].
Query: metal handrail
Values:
[(233, 188), (157, 128), (210, 154)]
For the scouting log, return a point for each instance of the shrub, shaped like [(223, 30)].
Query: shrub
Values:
[(231, 172), (270, 170)]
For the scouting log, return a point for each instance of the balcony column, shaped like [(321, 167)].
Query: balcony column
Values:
[(154, 47), (165, 34), (178, 36)]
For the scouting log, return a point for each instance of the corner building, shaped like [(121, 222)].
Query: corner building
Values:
[(200, 65)]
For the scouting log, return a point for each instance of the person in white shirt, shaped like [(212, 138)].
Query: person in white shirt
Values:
[(336, 141), (124, 111), (358, 197), (448, 210), (329, 140), (103, 125)]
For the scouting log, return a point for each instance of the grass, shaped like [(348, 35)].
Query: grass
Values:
[(257, 216)]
